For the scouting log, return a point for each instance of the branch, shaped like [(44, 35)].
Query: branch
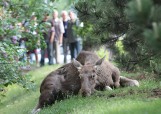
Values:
[(111, 41)]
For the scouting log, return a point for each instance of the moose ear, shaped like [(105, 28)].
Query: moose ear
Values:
[(77, 64), (99, 62)]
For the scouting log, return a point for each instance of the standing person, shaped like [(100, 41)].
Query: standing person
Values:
[(65, 39), (59, 30), (32, 23), (73, 39), (48, 34)]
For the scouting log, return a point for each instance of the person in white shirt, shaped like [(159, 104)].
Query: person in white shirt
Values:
[(58, 36)]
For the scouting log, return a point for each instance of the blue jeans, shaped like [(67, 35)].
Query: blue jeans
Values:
[(65, 51), (49, 52), (74, 49)]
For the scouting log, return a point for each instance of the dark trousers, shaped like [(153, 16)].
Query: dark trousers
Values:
[(49, 52), (56, 53), (74, 49), (65, 47)]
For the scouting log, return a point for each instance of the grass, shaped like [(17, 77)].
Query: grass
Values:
[(131, 100)]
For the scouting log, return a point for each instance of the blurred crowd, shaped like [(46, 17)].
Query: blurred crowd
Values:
[(59, 36)]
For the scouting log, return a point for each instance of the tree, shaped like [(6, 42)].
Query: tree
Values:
[(137, 21)]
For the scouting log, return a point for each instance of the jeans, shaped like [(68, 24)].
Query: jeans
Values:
[(74, 49), (49, 52), (65, 51)]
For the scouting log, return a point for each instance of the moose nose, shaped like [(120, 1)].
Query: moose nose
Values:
[(85, 93)]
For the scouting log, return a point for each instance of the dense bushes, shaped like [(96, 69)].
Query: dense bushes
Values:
[(16, 22), (13, 15)]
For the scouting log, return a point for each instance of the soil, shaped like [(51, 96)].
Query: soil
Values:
[(141, 77), (156, 92)]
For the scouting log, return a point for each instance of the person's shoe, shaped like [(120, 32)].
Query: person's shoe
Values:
[(50, 63), (57, 62), (41, 65), (37, 65)]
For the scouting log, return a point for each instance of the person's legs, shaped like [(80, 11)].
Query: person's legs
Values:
[(77, 48), (71, 45), (65, 44), (36, 57), (28, 53), (28, 58), (42, 61), (54, 50), (57, 52), (50, 53)]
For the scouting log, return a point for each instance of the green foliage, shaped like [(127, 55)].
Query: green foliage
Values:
[(138, 20), (91, 11), (103, 52), (10, 67), (141, 9), (148, 22), (120, 47), (89, 38), (12, 14), (153, 36), (155, 66)]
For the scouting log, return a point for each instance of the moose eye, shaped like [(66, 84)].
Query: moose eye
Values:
[(92, 76)]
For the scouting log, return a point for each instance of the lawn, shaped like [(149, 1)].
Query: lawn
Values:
[(145, 99)]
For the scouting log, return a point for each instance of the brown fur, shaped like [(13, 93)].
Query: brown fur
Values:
[(124, 82), (71, 78), (57, 84), (108, 74), (83, 76)]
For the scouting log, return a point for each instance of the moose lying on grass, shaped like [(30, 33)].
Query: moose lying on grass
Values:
[(82, 76)]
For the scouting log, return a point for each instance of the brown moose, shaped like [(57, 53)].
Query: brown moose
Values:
[(108, 74), (83, 75)]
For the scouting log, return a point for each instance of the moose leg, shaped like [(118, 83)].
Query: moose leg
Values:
[(116, 78), (124, 82)]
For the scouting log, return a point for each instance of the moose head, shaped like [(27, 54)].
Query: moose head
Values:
[(88, 76)]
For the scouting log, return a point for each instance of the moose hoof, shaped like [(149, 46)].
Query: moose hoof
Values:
[(35, 111), (136, 83), (108, 88)]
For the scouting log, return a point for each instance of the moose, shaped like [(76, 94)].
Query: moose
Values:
[(82, 76)]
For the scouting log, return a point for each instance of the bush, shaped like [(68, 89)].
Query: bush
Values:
[(10, 71), (13, 15)]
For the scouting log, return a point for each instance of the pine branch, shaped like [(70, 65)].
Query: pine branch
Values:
[(113, 39)]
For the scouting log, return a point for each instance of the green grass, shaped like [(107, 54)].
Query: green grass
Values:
[(18, 100), (130, 100)]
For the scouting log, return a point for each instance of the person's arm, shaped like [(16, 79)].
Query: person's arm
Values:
[(52, 35), (61, 38), (61, 32)]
